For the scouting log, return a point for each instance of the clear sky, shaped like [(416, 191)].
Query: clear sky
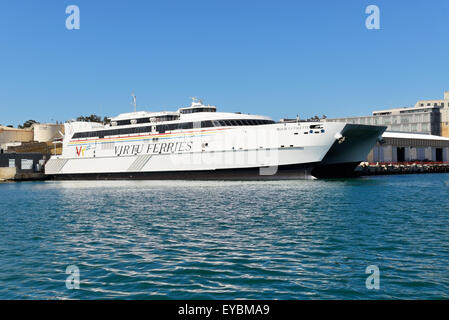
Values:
[(278, 58)]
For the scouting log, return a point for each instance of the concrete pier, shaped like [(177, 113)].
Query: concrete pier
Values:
[(386, 168), (11, 174)]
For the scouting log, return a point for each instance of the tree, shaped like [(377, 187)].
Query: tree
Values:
[(27, 124), (91, 118)]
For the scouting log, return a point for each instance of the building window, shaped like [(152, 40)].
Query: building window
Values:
[(12, 163)]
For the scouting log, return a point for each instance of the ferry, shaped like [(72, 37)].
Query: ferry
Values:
[(198, 142)]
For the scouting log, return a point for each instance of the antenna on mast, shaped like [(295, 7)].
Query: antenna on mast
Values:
[(134, 103)]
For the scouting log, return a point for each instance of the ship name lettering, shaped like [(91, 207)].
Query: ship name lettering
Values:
[(154, 148)]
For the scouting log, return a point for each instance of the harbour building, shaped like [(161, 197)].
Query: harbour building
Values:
[(426, 116), (23, 152), (9, 135), (417, 133), (410, 147)]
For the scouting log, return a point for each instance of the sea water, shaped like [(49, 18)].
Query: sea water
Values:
[(301, 239)]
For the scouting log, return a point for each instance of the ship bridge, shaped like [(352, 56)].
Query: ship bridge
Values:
[(197, 106)]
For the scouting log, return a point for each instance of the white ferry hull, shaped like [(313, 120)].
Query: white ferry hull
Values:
[(288, 151), (342, 158)]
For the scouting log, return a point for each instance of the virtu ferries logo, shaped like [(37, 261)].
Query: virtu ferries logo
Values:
[(81, 150)]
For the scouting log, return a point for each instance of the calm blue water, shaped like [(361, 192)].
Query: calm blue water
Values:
[(226, 240)]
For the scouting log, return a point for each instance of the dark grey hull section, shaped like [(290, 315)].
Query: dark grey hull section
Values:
[(303, 171)]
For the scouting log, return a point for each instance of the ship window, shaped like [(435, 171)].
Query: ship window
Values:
[(168, 127), (160, 128), (123, 122), (195, 110), (206, 124), (186, 125), (143, 120)]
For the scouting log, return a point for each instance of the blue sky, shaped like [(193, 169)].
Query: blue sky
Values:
[(279, 58)]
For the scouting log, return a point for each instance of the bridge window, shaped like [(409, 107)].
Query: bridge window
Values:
[(170, 127)]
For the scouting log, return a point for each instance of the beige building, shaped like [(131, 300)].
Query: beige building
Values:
[(11, 138), (444, 110), (443, 105), (435, 103), (427, 116), (416, 119), (8, 135)]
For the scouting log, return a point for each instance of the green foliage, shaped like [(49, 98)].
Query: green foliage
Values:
[(27, 124), (91, 118), (316, 118), (94, 118)]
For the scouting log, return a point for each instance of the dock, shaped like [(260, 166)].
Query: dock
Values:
[(388, 168), (22, 166)]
